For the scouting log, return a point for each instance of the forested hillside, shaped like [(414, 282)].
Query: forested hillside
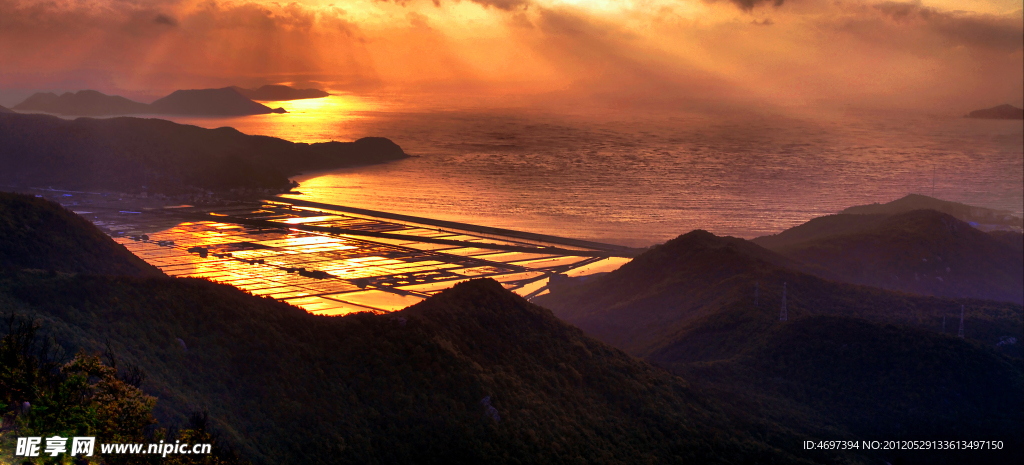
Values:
[(38, 234), (473, 375)]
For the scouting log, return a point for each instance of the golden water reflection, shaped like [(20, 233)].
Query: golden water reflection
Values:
[(307, 120), (333, 274)]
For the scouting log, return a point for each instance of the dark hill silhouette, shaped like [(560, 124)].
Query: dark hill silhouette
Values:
[(82, 103), (410, 387), (1014, 239), (819, 228), (922, 252), (822, 372), (985, 217), (278, 92), (5, 110), (689, 305), (648, 301), (124, 154), (209, 102), (39, 234), (643, 301), (999, 112)]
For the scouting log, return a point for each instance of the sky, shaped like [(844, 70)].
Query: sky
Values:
[(952, 55)]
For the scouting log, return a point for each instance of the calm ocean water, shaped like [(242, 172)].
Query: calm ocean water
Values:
[(639, 180)]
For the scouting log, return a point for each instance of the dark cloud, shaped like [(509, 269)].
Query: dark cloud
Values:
[(165, 20), (747, 5), (507, 5), (418, 20), (959, 28)]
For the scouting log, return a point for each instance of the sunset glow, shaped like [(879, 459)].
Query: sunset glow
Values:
[(936, 54)]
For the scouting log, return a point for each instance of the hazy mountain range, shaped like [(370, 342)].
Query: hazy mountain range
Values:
[(84, 103), (983, 218), (642, 305), (862, 360), (228, 101), (924, 252)]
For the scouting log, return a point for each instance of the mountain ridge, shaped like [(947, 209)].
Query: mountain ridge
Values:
[(39, 234), (698, 274), (852, 360), (195, 102), (986, 218), (83, 102), (922, 252)]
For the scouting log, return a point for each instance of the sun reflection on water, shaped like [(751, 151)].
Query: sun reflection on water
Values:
[(307, 120), (335, 273)]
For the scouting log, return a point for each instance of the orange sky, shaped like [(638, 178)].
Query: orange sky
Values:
[(936, 54)]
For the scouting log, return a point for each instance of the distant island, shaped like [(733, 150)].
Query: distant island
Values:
[(980, 217), (199, 102), (158, 156), (4, 110), (1000, 112), (85, 102), (279, 92), (210, 102)]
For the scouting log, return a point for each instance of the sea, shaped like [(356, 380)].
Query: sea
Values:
[(640, 178)]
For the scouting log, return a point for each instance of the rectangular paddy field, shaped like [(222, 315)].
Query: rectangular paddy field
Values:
[(335, 260)]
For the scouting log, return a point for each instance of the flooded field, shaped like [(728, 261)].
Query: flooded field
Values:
[(336, 262)]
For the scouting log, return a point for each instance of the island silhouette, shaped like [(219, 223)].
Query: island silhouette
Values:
[(193, 102), (999, 112), (210, 102), (128, 154)]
